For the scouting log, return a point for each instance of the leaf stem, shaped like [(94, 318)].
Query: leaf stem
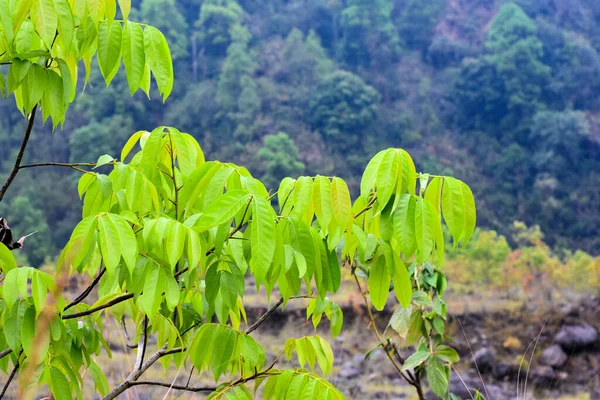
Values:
[(87, 291), (111, 303)]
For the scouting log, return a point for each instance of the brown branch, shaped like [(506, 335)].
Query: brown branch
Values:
[(127, 338), (270, 311), (111, 303), (15, 169), (264, 317), (87, 291), (4, 353), (10, 378), (58, 164), (169, 385)]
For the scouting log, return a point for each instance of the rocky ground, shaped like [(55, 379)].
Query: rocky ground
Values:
[(548, 353)]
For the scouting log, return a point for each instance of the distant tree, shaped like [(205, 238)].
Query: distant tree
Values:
[(517, 54), (342, 107), (560, 139), (417, 21), (369, 33), (165, 15), (280, 155), (215, 24), (480, 96), (237, 91), (99, 137)]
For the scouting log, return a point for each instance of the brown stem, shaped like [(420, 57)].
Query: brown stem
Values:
[(10, 378), (15, 169), (169, 385), (264, 317), (87, 291), (111, 303)]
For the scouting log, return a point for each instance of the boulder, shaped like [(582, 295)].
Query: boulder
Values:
[(576, 337), (484, 359), (554, 356), (457, 387), (349, 371)]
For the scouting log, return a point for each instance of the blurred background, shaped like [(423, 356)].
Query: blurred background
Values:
[(503, 95)]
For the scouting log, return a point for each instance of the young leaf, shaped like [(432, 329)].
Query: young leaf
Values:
[(322, 200), (263, 237), (386, 177), (424, 228), (379, 283), (437, 376), (470, 213), (158, 59), (453, 207), (45, 20), (110, 244), (340, 201), (415, 360), (7, 260), (110, 36), (222, 210), (370, 175)]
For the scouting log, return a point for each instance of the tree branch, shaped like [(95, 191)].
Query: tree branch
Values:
[(111, 303), (127, 338), (87, 291), (264, 317), (172, 386), (10, 378), (15, 169), (59, 164), (4, 353), (142, 344)]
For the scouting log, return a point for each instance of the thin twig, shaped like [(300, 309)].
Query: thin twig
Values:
[(111, 303), (537, 340), (87, 291), (473, 357), (15, 169)]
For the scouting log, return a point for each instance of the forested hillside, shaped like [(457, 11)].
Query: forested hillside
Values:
[(503, 94)]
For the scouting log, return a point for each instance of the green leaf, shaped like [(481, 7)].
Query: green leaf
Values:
[(447, 354), (103, 160), (45, 20), (7, 260), (100, 381), (110, 36), (340, 201), (11, 288), (28, 332), (470, 213), (134, 57), (158, 58), (415, 360), (39, 292), (387, 176), (125, 6), (379, 283), (222, 210), (370, 175), (151, 297), (66, 22), (172, 293), (424, 228), (400, 321), (322, 200), (402, 283), (222, 351), (128, 241), (6, 20), (263, 237), (59, 386), (175, 242), (2, 85), (453, 207), (437, 377), (110, 244), (404, 224)]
